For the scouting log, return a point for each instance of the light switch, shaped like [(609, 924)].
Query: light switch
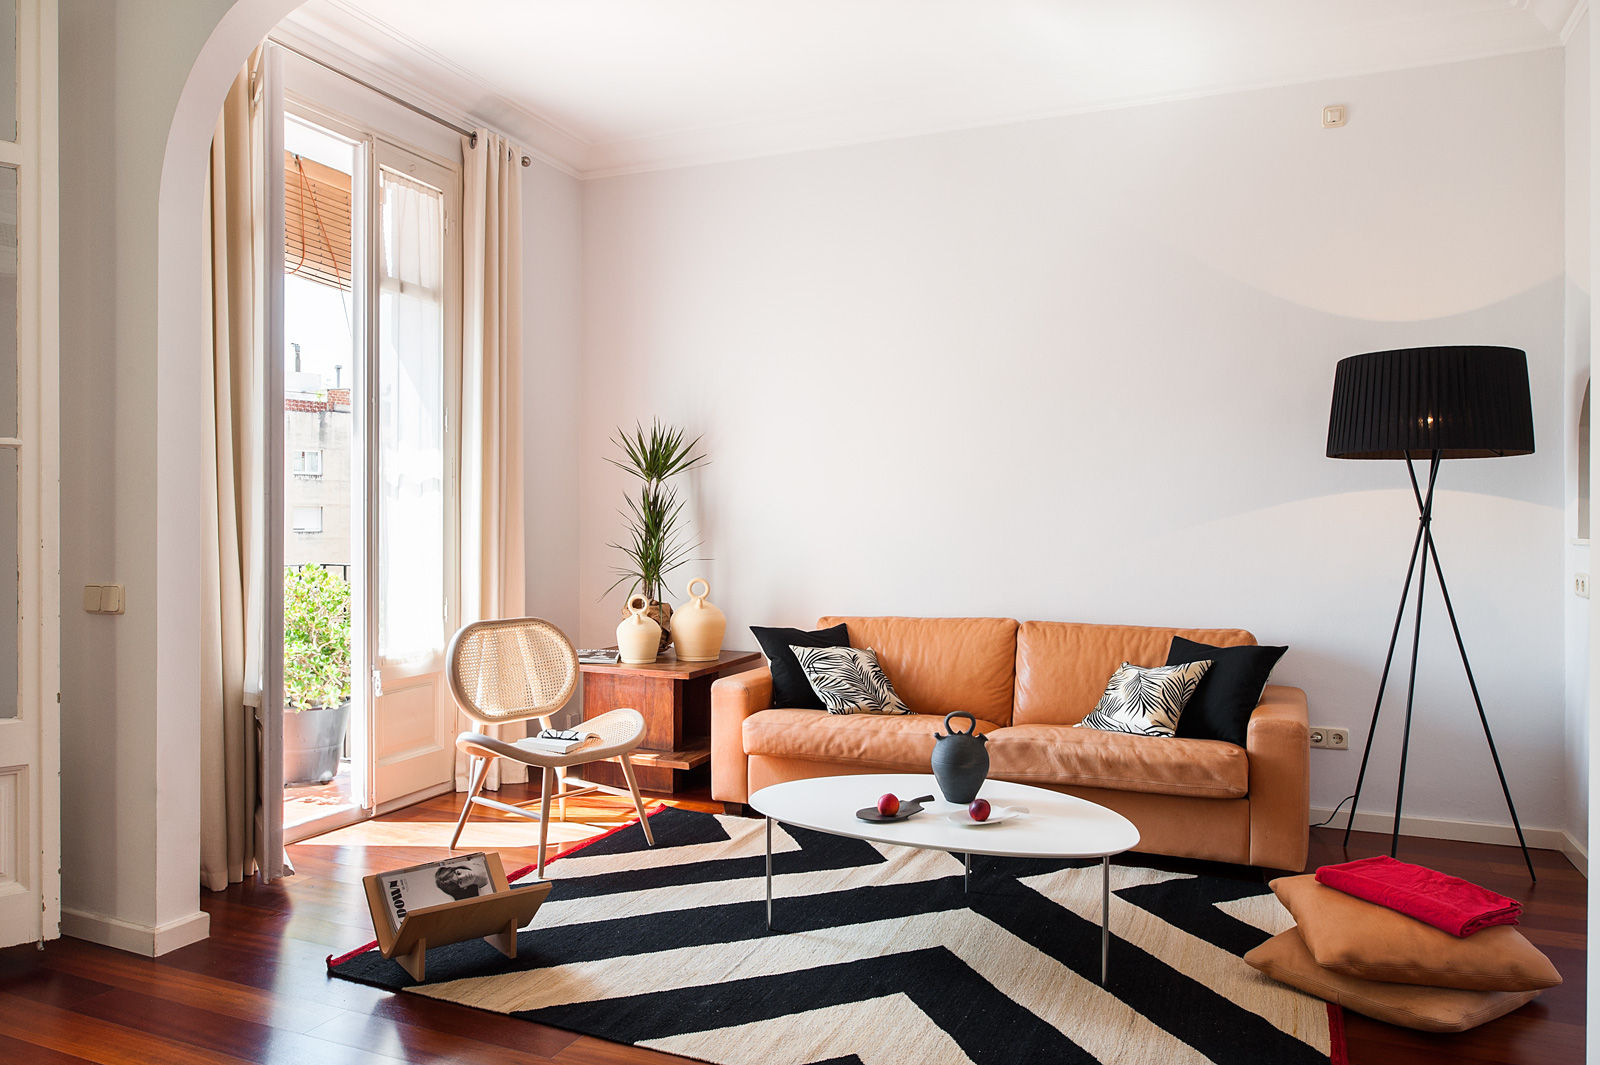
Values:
[(1333, 116), (111, 598), (91, 598)]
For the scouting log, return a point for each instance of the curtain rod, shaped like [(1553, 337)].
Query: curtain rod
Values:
[(471, 135)]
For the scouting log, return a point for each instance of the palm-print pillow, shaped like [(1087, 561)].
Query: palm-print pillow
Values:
[(1145, 702), (849, 680)]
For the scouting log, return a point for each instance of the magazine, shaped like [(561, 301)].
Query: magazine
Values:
[(434, 883), (599, 656), (558, 740)]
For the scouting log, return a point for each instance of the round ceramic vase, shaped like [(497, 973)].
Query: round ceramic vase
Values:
[(698, 626), (638, 636), (960, 760)]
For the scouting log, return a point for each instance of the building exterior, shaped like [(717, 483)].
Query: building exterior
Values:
[(317, 512)]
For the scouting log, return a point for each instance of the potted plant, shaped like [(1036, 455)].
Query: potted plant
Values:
[(655, 543), (316, 673)]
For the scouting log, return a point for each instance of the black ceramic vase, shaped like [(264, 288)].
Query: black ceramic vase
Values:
[(960, 760)]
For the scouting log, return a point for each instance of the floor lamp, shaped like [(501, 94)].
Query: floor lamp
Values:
[(1434, 404)]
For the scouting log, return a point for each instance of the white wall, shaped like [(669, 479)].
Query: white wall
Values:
[(1080, 369), (1575, 372)]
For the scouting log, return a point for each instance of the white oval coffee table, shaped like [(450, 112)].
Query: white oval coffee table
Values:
[(1056, 825)]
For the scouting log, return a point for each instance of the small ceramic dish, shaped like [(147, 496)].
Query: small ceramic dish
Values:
[(908, 807), (997, 815)]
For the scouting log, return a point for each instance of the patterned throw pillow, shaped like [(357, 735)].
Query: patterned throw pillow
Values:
[(849, 680), (1146, 702)]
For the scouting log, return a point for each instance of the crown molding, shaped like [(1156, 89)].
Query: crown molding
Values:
[(1568, 28), (349, 39)]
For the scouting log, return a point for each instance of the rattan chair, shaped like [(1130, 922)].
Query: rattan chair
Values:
[(523, 669)]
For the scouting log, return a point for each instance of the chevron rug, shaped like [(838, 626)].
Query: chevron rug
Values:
[(878, 958)]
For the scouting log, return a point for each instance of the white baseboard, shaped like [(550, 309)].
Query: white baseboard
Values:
[(1554, 839), (150, 941)]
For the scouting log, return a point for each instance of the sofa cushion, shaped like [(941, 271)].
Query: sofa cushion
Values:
[(1062, 667), (897, 742), (1118, 761), (940, 665)]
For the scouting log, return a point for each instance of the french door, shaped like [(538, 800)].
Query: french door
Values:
[(30, 577), (415, 321), (366, 510)]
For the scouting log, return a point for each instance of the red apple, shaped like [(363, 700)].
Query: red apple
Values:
[(978, 810), (888, 805)]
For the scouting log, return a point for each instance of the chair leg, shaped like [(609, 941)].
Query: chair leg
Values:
[(477, 773), (638, 803), (561, 789), (544, 814)]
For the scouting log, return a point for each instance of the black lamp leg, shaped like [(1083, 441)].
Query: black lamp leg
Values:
[(1478, 701), (1416, 645), (1383, 682)]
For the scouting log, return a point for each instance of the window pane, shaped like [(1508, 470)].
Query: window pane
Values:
[(410, 419), (8, 70), (8, 301), (8, 582)]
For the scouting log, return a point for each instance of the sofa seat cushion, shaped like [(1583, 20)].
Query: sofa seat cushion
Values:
[(1062, 755), (902, 742)]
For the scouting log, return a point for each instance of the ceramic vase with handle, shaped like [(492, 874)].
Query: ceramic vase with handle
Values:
[(638, 637), (960, 760), (698, 626)]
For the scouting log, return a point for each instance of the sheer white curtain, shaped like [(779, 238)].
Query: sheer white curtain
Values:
[(411, 418), (492, 562)]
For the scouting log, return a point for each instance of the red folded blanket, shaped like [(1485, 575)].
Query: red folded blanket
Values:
[(1446, 902)]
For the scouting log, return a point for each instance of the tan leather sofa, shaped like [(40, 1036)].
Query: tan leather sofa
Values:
[(1028, 684)]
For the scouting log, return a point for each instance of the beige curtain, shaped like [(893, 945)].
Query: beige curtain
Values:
[(235, 333), (492, 563)]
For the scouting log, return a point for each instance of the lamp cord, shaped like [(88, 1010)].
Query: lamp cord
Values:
[(1336, 809)]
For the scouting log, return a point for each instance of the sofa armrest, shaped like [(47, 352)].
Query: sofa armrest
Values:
[(733, 699), (1278, 741)]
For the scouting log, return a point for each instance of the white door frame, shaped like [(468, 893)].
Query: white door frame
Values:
[(30, 743)]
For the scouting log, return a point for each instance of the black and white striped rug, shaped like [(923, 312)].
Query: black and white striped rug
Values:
[(878, 957)]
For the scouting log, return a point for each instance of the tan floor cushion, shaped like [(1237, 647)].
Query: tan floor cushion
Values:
[(1162, 765), (879, 741), (1363, 939), (1287, 960)]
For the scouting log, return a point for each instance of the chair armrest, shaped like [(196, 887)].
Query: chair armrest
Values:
[(1278, 741), (733, 699)]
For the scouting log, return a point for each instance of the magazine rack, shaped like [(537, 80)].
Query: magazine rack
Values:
[(494, 917)]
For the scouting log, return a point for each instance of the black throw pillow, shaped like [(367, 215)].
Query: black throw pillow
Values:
[(1221, 706), (790, 688)]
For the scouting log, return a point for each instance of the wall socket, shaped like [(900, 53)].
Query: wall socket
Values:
[(1580, 585), (1331, 738)]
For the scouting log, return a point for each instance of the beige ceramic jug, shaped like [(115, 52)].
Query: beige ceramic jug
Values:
[(638, 636), (698, 626)]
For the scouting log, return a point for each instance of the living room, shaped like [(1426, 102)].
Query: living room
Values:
[(1031, 314)]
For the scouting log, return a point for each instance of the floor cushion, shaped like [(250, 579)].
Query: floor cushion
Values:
[(1363, 939), (1287, 960)]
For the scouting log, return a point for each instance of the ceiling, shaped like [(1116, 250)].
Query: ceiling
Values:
[(612, 86)]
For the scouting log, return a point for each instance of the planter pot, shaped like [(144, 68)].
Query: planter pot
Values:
[(313, 740)]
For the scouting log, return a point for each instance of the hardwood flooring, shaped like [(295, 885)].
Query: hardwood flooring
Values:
[(257, 991)]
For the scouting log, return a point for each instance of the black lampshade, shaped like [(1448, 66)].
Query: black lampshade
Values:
[(1465, 402)]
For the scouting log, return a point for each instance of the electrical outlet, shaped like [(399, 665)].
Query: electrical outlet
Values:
[(1330, 738)]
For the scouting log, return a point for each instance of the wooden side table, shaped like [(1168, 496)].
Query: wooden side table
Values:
[(675, 699)]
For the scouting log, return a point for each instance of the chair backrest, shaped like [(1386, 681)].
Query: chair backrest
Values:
[(511, 669)]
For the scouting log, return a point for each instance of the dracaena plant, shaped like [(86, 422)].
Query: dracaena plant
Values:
[(654, 543), (316, 638)]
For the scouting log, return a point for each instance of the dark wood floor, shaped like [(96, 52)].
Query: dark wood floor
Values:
[(256, 991)]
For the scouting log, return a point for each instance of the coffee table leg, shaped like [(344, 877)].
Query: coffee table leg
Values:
[(769, 874), (1105, 916), (966, 877)]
